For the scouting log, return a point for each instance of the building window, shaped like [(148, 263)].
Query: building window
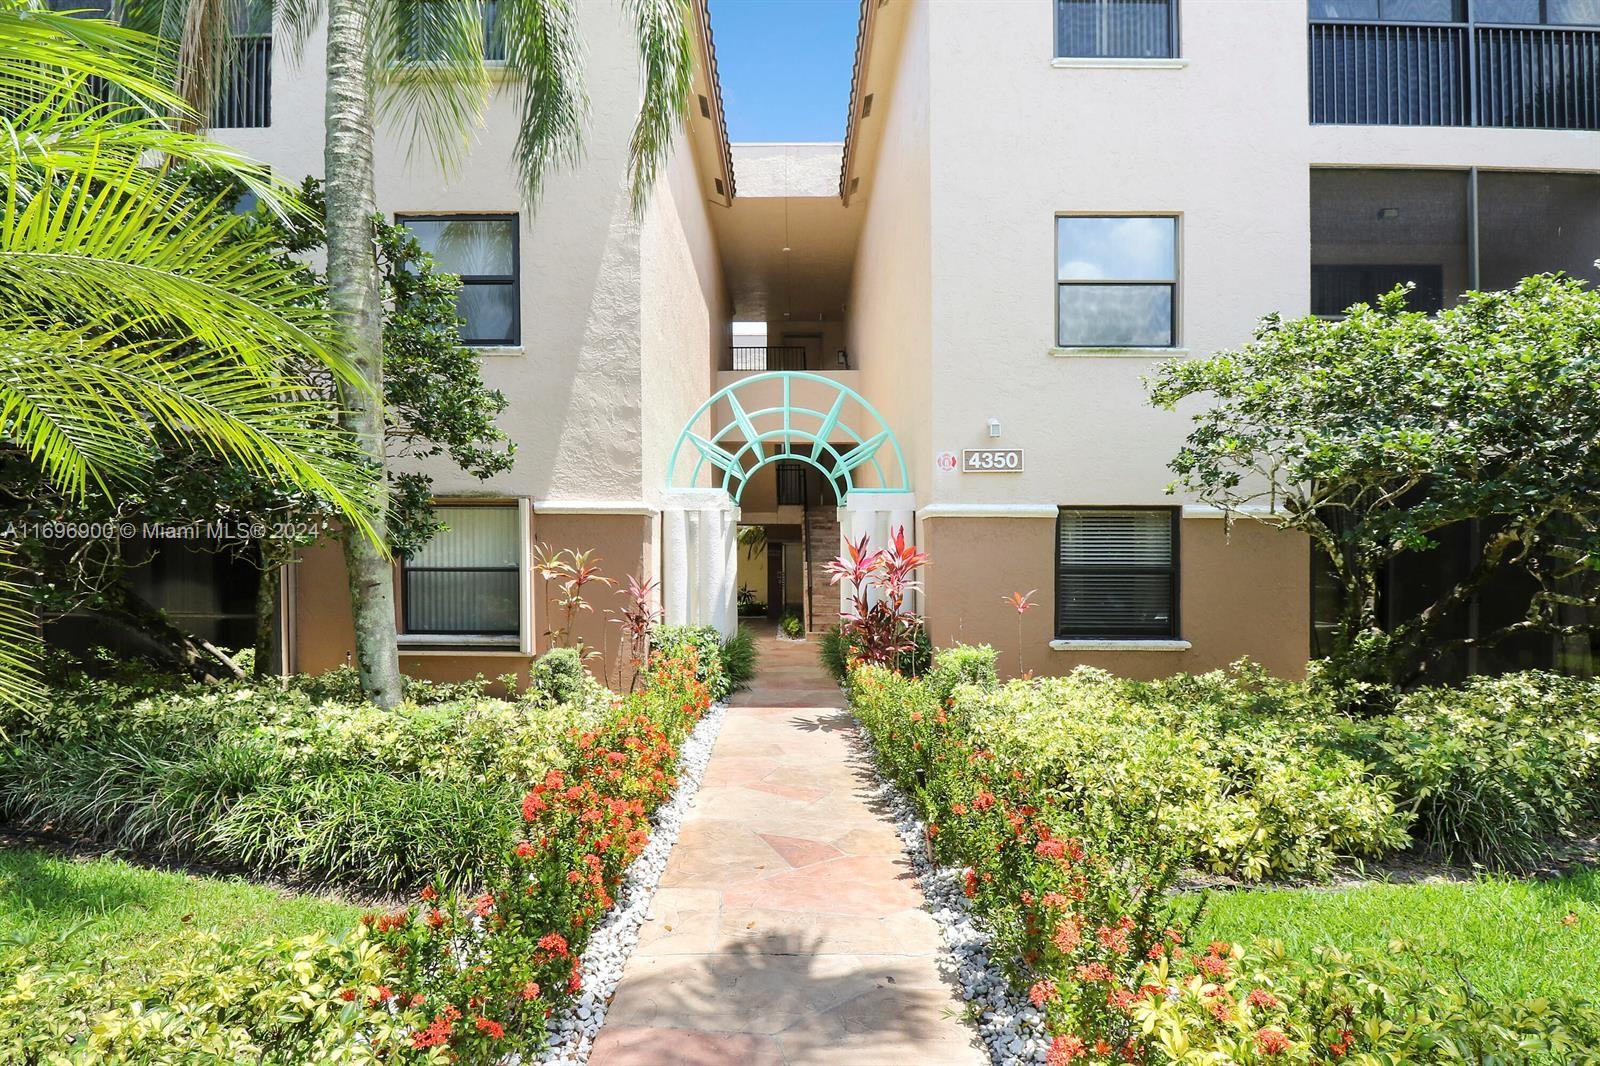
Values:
[(1117, 572), (1389, 10), (1116, 282), (482, 250), (1116, 29), (467, 580)]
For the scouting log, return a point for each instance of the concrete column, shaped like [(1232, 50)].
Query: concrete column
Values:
[(876, 515), (699, 562)]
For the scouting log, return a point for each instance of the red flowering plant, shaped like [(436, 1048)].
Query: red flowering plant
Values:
[(1069, 848), (485, 972), (1077, 898), (879, 623)]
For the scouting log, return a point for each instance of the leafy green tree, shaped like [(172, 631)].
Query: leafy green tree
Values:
[(421, 65), (436, 405), (133, 315), (1375, 433)]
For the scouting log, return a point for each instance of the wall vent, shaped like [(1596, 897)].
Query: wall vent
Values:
[(721, 191), (866, 105), (855, 183), (705, 107)]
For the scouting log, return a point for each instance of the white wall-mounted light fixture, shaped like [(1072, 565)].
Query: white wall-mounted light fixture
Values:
[(994, 427)]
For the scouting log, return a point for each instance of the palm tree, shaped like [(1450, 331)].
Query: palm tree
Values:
[(134, 314), (428, 57)]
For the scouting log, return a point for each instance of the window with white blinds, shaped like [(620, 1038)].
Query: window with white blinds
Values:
[(466, 581), (1117, 572)]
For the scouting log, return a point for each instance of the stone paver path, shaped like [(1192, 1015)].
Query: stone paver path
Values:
[(788, 928)]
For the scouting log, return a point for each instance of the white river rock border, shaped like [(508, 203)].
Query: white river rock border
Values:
[(1012, 1030), (572, 1034)]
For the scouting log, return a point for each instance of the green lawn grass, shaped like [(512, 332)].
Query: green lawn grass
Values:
[(69, 909), (1507, 937)]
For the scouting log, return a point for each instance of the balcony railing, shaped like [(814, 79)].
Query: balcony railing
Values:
[(245, 98), (1458, 74), (1539, 78), (783, 357)]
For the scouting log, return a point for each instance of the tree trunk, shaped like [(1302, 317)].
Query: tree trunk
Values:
[(357, 302), (267, 590)]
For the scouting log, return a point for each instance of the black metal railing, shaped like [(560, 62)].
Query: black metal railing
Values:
[(244, 99), (1381, 74), (780, 357), (1432, 74), (1104, 29), (1539, 78), (791, 483)]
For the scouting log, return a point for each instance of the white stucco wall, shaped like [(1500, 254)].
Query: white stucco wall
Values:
[(684, 305), (574, 383), (889, 331), (787, 169), (1222, 141)]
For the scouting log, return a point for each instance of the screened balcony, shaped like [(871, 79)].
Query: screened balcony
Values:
[(1512, 64), (1446, 231)]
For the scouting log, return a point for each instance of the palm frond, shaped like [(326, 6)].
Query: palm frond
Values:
[(134, 253), (92, 413), (544, 56), (428, 56), (42, 48), (666, 59)]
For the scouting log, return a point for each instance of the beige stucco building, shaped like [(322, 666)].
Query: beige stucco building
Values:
[(1036, 202)]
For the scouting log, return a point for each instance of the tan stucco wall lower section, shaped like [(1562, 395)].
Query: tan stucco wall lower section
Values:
[(624, 544), (323, 638), (1242, 593)]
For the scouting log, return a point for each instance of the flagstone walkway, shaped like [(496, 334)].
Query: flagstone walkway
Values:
[(788, 928)]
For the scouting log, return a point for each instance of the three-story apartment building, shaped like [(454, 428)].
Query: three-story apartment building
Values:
[(946, 322)]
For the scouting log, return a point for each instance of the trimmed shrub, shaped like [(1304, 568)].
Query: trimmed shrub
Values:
[(964, 664), (271, 780), (1073, 804), (316, 998), (1496, 768), (701, 643), (739, 656), (465, 977), (558, 675)]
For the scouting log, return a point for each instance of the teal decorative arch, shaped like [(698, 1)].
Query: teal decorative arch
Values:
[(755, 437)]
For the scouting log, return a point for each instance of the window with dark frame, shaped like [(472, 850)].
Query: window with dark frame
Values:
[(1116, 281), (1116, 29), (466, 581), (483, 251), (1117, 573)]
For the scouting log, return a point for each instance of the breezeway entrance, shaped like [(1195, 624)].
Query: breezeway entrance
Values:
[(754, 423)]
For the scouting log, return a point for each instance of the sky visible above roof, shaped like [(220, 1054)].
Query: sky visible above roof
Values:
[(785, 67)]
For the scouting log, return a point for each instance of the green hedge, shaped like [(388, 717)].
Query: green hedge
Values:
[(465, 978), (1076, 803), (299, 780)]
